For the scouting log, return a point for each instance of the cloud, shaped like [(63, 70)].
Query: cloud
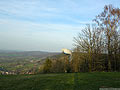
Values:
[(16, 25), (24, 35), (45, 24), (46, 11)]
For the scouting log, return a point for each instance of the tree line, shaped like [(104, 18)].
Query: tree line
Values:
[(97, 46)]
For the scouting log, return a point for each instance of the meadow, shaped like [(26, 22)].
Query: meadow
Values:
[(61, 81)]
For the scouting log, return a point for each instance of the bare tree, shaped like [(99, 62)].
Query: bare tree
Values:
[(109, 21), (89, 42)]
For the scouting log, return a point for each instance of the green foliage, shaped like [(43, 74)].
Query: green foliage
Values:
[(47, 66), (57, 66)]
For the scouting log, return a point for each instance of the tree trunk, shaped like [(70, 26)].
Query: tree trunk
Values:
[(109, 55)]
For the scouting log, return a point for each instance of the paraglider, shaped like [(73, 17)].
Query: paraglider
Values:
[(67, 52)]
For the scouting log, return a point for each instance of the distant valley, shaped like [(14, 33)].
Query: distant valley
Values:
[(23, 61)]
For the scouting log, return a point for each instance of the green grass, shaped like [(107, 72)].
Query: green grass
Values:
[(67, 81)]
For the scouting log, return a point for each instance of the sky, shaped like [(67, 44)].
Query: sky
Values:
[(45, 25)]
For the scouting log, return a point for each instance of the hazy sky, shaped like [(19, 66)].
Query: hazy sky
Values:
[(47, 25)]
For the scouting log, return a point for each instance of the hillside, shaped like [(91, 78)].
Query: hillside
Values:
[(64, 81)]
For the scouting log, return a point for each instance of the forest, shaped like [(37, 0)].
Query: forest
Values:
[(96, 48)]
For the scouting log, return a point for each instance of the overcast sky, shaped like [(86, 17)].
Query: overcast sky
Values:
[(46, 25)]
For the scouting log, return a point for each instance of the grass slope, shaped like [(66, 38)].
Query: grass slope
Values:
[(71, 81)]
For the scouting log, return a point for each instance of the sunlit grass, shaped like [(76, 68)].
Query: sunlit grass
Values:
[(64, 81)]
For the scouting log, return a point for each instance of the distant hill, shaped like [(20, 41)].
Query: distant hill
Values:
[(39, 54), (7, 51)]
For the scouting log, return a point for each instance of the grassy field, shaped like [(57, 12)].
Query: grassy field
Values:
[(65, 81)]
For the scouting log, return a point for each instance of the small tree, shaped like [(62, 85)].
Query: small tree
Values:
[(47, 66), (57, 66)]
